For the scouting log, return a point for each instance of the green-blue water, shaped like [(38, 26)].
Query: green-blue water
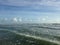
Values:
[(30, 34)]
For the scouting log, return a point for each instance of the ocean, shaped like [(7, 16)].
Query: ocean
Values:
[(30, 34)]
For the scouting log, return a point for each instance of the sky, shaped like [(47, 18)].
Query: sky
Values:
[(30, 11)]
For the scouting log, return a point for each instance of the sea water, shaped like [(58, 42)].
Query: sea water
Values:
[(46, 32)]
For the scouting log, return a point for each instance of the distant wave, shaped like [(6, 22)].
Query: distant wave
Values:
[(35, 26), (46, 27)]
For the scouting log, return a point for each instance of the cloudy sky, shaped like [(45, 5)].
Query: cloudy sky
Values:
[(30, 11)]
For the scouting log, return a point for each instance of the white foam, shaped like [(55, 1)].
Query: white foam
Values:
[(40, 38)]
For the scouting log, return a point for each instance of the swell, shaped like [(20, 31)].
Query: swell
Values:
[(39, 38), (46, 27), (34, 37), (15, 28)]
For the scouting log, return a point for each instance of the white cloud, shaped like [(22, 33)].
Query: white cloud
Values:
[(15, 19), (20, 20), (43, 19), (5, 19)]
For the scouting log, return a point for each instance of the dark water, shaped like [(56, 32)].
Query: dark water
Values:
[(30, 34)]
